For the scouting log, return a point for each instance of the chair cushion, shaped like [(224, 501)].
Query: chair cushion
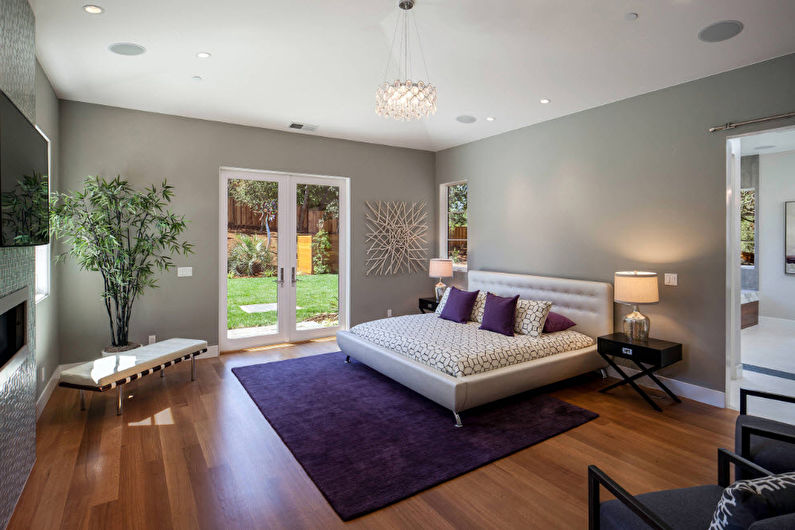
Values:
[(748, 501), (682, 509), (773, 455), (782, 522), (112, 368)]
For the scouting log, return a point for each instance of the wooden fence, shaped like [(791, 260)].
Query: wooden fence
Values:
[(241, 217)]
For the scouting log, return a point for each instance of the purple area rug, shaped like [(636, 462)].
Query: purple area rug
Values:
[(367, 441)]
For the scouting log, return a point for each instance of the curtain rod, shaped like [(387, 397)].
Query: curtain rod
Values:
[(733, 125)]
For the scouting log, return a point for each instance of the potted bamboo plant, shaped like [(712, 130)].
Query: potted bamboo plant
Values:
[(124, 234)]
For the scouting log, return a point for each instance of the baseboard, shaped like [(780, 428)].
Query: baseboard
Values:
[(680, 388), (41, 402), (212, 351)]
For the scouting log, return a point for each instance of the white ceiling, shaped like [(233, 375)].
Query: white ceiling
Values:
[(766, 143), (319, 61)]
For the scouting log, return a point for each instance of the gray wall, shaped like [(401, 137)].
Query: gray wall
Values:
[(637, 184), (148, 147), (777, 185), (47, 350)]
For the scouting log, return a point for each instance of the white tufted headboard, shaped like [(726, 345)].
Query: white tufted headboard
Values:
[(589, 304)]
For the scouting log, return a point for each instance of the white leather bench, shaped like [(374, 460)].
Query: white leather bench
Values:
[(107, 373)]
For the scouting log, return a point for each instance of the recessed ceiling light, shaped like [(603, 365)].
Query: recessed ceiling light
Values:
[(466, 118), (631, 17), (545, 101), (127, 48), (203, 55), (721, 31), (761, 147), (91, 9), (489, 118), (197, 78)]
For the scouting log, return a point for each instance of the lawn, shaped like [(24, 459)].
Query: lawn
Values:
[(316, 294)]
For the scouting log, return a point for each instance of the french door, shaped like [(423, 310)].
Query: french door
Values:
[(283, 257)]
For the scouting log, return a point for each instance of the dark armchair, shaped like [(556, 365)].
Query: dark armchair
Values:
[(684, 508), (768, 443)]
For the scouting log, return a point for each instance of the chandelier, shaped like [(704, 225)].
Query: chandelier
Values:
[(404, 99)]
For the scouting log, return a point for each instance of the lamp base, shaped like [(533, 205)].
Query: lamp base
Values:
[(636, 325), (440, 287)]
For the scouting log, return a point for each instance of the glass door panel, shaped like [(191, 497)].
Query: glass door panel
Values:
[(317, 256), (253, 269)]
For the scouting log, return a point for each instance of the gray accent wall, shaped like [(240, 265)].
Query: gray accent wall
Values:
[(636, 184), (147, 148), (47, 347)]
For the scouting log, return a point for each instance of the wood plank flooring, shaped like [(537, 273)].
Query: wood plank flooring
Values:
[(200, 455)]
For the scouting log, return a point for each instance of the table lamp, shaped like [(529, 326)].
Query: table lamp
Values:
[(633, 288), (440, 268)]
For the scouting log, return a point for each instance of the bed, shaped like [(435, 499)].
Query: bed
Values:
[(454, 382)]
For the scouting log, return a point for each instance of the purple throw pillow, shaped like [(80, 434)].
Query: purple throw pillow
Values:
[(499, 314), (459, 305), (556, 322)]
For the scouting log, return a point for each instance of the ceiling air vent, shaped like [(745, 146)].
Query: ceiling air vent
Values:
[(303, 126)]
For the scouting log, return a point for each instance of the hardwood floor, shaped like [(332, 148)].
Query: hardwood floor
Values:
[(200, 455)]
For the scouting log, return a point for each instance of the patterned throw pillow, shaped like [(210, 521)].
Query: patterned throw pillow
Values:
[(478, 308), (748, 501), (530, 317), (442, 302)]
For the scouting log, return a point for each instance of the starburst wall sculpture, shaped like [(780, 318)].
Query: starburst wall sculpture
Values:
[(396, 237)]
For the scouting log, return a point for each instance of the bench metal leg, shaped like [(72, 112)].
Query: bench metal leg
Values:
[(82, 400), (119, 400), (457, 420), (193, 368)]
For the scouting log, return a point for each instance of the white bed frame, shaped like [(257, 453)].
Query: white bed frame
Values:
[(589, 304)]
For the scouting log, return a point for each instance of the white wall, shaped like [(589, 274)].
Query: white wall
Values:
[(776, 186)]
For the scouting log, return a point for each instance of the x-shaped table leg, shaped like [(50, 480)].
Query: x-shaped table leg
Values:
[(631, 381)]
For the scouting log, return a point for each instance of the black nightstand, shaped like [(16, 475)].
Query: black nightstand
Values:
[(652, 352), (428, 305)]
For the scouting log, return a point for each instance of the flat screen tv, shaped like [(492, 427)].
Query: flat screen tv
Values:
[(24, 183)]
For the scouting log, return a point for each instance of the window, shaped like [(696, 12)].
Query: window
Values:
[(42, 272), (42, 252), (748, 226), (453, 223)]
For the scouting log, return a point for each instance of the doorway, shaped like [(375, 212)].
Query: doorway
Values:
[(283, 253), (760, 267)]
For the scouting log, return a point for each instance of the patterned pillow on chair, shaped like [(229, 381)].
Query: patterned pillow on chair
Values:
[(748, 501), (530, 317)]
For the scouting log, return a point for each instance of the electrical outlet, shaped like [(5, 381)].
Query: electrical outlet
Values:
[(183, 272), (152, 339), (672, 279), (388, 313)]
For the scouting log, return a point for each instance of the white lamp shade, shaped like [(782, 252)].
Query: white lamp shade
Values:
[(440, 268), (635, 287)]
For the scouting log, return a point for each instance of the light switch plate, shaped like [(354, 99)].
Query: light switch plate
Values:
[(671, 278), (182, 272), (152, 339)]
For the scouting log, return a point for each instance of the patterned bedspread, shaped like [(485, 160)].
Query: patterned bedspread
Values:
[(463, 349)]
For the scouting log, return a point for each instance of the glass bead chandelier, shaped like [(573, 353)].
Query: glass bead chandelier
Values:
[(404, 99)]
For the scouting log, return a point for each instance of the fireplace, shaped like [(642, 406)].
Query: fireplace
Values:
[(13, 327)]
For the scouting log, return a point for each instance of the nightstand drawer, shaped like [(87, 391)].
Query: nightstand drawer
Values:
[(656, 352)]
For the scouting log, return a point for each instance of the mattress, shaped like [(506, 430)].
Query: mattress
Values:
[(463, 349)]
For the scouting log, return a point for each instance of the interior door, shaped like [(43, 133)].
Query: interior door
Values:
[(283, 258), (253, 259)]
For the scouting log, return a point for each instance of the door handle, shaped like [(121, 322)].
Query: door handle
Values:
[(293, 276), (281, 277)]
